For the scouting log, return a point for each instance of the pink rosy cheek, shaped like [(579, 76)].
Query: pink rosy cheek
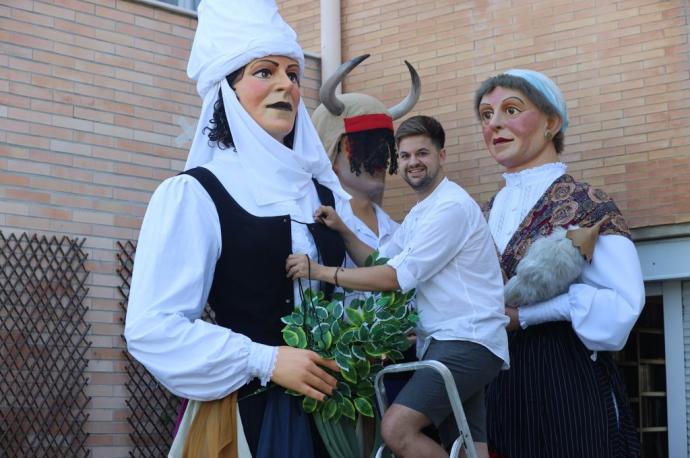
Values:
[(525, 124)]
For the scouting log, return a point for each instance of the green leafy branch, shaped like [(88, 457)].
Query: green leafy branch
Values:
[(358, 337)]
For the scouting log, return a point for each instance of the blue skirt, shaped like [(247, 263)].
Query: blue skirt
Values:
[(276, 426)]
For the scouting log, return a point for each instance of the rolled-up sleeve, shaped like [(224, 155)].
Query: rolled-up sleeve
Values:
[(436, 238)]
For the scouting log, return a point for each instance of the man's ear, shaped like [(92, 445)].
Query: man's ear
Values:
[(442, 155)]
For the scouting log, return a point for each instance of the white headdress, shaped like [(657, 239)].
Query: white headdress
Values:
[(230, 34)]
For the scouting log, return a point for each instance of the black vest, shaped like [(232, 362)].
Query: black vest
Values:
[(250, 290)]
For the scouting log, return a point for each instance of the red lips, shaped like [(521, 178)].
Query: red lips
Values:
[(502, 140)]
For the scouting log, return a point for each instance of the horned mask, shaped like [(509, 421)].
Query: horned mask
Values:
[(348, 113)]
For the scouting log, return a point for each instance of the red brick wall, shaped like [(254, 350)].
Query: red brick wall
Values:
[(93, 97), (623, 67)]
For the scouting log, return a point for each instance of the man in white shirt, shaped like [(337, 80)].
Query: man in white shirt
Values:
[(443, 249)]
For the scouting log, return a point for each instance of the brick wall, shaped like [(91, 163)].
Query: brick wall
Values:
[(622, 65), (95, 104), (95, 111)]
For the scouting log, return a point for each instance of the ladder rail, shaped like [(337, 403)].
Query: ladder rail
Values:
[(465, 438)]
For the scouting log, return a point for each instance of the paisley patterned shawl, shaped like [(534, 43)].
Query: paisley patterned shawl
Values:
[(565, 203)]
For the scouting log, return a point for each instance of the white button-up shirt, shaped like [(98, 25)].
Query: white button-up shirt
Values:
[(444, 249), (386, 228)]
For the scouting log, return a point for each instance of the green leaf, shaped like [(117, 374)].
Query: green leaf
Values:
[(363, 368), (358, 353), (338, 297), (384, 315), (363, 333), (365, 388), (349, 375), (325, 341), (373, 351), (295, 337), (309, 405), (363, 406), (335, 329), (321, 329), (321, 313), (348, 336), (391, 328), (395, 355), (369, 261), (330, 408), (355, 316), (337, 395), (338, 311), (400, 312), (356, 303), (383, 301), (376, 331), (369, 304), (297, 318), (347, 408), (344, 388), (343, 349), (287, 319), (381, 261), (342, 361)]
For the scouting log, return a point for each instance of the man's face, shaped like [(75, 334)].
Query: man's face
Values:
[(365, 183), (420, 162)]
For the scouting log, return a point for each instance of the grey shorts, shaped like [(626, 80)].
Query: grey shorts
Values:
[(473, 366)]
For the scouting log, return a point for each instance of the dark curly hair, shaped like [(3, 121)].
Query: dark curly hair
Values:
[(520, 84), (219, 132), (373, 150)]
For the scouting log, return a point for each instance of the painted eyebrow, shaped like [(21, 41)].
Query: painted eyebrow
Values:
[(266, 60), (504, 100), (289, 67)]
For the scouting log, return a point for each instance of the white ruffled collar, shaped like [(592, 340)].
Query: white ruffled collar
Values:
[(547, 172)]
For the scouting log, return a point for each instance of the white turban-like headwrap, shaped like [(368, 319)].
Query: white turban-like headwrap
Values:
[(230, 34)]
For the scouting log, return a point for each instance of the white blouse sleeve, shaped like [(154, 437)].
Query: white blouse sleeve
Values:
[(178, 247), (605, 303)]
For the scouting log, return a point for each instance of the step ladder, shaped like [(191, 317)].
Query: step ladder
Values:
[(464, 439)]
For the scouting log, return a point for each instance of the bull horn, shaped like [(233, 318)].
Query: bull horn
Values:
[(327, 91), (404, 107)]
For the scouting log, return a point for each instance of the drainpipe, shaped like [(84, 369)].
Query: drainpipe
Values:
[(330, 39)]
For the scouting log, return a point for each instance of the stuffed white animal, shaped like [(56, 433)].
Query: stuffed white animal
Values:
[(551, 265)]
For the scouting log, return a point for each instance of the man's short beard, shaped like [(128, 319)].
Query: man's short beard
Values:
[(423, 184)]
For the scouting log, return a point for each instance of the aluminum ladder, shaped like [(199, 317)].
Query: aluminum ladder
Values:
[(464, 439)]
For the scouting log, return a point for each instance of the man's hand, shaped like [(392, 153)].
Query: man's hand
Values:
[(301, 266), (329, 217), (300, 370), (513, 314)]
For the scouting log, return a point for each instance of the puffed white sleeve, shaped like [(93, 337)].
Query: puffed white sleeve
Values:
[(604, 304), (178, 247)]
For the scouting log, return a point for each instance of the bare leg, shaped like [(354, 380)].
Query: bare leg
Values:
[(401, 429)]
